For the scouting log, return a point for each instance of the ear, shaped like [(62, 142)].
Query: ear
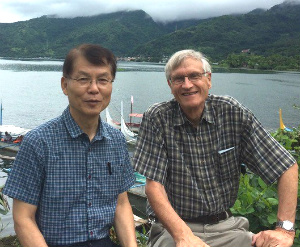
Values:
[(169, 83), (64, 85), (209, 80)]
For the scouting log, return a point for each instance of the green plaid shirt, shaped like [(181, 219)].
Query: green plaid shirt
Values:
[(200, 168)]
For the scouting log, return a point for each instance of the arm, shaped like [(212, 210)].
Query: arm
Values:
[(287, 194), (181, 233), (124, 222), (25, 225)]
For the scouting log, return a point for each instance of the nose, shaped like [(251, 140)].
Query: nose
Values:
[(187, 83), (93, 87)]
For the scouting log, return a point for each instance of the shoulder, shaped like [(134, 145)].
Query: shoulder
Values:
[(161, 109), (46, 130), (227, 102)]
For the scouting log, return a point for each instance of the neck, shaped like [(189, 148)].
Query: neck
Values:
[(194, 117), (88, 125), (90, 129), (194, 121)]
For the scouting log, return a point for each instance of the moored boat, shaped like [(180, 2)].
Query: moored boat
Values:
[(6, 170), (132, 125), (281, 124), (16, 132), (130, 136), (110, 121), (10, 146)]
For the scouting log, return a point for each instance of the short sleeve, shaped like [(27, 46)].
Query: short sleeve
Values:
[(263, 154), (25, 180), (150, 157)]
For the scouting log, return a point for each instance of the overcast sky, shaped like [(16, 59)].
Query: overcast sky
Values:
[(159, 10)]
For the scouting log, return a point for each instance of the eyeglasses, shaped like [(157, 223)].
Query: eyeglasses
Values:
[(193, 77), (87, 81)]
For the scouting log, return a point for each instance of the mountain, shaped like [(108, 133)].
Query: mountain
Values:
[(275, 31), (54, 37), (134, 33)]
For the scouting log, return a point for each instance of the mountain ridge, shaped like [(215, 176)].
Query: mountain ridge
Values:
[(135, 33)]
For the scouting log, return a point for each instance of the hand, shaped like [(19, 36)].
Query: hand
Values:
[(190, 240), (273, 238)]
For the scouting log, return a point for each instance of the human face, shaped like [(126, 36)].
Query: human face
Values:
[(86, 103), (191, 96)]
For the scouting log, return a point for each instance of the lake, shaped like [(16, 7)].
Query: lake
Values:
[(31, 94)]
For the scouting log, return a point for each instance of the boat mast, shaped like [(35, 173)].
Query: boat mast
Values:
[(131, 108), (1, 113)]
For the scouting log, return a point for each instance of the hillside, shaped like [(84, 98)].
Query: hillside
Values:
[(276, 31), (53, 37), (134, 33)]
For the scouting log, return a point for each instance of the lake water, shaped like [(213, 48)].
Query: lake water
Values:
[(31, 94)]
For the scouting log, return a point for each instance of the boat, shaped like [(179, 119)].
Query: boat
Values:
[(281, 124), (130, 136), (14, 131), (110, 121), (5, 157), (132, 125), (6, 170), (9, 146), (1, 109)]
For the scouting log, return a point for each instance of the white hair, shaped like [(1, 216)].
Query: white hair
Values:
[(178, 57)]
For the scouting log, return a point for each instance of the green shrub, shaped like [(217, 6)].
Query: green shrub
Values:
[(259, 202)]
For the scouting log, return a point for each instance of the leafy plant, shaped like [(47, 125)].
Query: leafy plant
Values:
[(141, 236), (290, 140), (259, 202)]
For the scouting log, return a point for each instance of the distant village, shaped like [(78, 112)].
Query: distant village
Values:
[(163, 60)]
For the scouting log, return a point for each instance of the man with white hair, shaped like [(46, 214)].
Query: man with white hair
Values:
[(191, 149)]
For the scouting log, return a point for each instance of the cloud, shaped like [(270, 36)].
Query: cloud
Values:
[(159, 10)]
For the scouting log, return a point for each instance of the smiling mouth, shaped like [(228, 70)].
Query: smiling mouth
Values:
[(188, 94)]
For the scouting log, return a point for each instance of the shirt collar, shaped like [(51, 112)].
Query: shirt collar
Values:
[(179, 117), (208, 113), (75, 131)]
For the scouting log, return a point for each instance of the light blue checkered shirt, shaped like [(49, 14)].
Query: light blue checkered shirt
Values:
[(68, 178)]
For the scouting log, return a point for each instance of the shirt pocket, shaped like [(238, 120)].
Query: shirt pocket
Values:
[(228, 163), (111, 180)]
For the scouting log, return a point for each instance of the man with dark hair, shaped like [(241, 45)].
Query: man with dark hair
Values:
[(70, 177), (191, 149)]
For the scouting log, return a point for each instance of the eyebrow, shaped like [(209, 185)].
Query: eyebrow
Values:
[(98, 75), (193, 72)]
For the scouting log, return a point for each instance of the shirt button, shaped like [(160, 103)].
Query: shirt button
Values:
[(91, 233), (90, 204), (90, 176)]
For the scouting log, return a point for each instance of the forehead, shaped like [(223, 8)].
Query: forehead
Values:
[(82, 65), (188, 65)]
